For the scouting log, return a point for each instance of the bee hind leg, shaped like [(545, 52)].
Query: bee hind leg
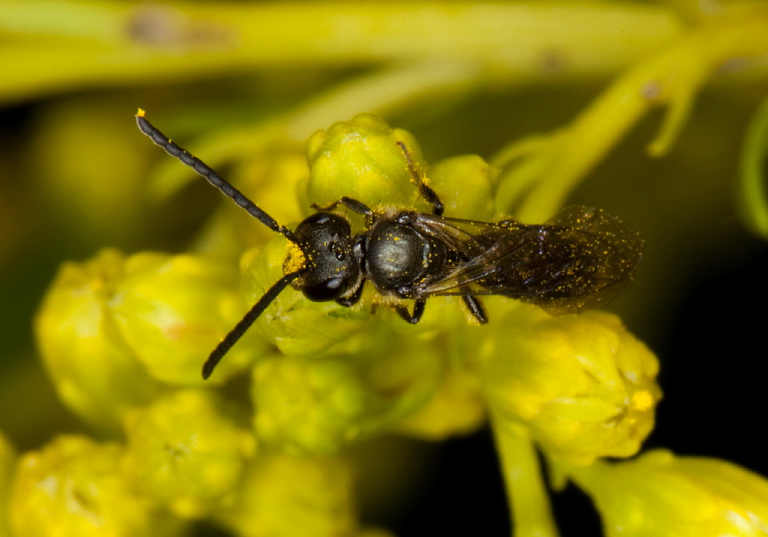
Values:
[(418, 311), (476, 308)]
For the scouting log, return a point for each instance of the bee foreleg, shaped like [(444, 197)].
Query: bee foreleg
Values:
[(425, 191), (353, 205), (354, 298)]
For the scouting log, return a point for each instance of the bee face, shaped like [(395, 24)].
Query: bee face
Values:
[(331, 266)]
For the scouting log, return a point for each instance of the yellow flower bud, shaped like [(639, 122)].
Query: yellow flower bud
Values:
[(74, 487), (285, 496), (361, 159), (580, 385), (457, 407), (187, 450), (173, 310), (467, 186), (660, 495), (93, 369), (318, 405)]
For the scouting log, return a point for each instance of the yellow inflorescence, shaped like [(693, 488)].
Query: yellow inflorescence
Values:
[(124, 338)]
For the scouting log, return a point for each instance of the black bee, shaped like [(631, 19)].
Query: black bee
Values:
[(581, 258)]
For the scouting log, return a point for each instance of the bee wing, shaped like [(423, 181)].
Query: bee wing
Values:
[(485, 248), (469, 237), (581, 258)]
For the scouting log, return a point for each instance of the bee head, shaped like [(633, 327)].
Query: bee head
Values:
[(331, 269)]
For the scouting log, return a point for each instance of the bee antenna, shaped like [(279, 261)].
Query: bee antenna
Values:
[(173, 149), (245, 323)]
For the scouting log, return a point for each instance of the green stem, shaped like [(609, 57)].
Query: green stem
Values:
[(670, 78), (752, 188), (526, 493), (50, 45)]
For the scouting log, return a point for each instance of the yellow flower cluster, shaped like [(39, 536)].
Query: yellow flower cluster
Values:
[(123, 339)]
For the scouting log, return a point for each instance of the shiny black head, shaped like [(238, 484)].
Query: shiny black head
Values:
[(332, 269)]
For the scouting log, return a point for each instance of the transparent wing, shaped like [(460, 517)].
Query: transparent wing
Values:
[(581, 258)]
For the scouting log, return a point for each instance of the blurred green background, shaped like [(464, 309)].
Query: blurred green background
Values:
[(76, 175)]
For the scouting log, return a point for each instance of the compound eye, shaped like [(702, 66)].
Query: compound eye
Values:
[(328, 290)]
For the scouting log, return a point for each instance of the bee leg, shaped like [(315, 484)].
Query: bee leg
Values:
[(426, 192), (349, 203), (354, 298), (431, 196), (418, 311), (476, 308)]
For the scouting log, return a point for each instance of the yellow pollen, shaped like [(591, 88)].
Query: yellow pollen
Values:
[(642, 400), (295, 259)]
